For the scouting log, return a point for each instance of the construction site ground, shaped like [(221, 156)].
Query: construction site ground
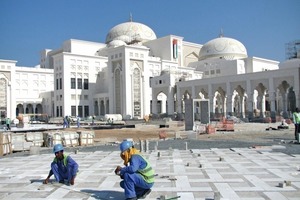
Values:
[(242, 131), (245, 135), (253, 162)]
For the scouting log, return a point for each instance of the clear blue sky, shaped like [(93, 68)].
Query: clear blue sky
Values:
[(263, 26)]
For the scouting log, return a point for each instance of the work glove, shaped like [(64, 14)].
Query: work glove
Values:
[(46, 181), (72, 181), (117, 170)]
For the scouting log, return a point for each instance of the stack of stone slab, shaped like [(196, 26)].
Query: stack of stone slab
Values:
[(35, 137), (199, 127), (5, 143), (19, 142), (66, 138), (52, 138), (86, 138), (70, 139), (23, 141)]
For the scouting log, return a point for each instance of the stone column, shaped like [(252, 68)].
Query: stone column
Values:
[(249, 100), (25, 106), (98, 103), (225, 105), (163, 105), (211, 101), (189, 119), (284, 104), (229, 108), (33, 108), (170, 101), (272, 98), (250, 106), (228, 100), (104, 106), (263, 105), (193, 93), (154, 105), (178, 102), (243, 106)]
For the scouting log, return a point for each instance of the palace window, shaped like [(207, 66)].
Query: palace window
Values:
[(73, 83), (86, 84), (79, 83)]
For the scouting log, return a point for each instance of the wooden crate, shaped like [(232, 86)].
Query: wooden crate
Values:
[(5, 143), (5, 149), (5, 137)]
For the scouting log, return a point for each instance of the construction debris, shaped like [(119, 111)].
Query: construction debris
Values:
[(225, 125)]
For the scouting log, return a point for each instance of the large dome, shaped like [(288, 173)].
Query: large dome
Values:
[(130, 32), (224, 48)]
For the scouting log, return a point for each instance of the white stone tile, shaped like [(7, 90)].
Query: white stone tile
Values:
[(275, 195), (182, 182), (226, 191), (186, 195)]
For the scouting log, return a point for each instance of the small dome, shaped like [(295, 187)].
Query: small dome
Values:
[(116, 43), (130, 32), (165, 71), (224, 48), (123, 38)]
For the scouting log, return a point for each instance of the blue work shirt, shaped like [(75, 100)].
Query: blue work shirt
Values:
[(62, 171), (137, 162)]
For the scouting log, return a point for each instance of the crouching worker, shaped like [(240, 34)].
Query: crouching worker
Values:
[(137, 175), (63, 167)]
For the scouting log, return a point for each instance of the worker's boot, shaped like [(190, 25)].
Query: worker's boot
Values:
[(144, 194)]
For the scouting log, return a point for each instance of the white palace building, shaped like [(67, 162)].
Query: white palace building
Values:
[(135, 74)]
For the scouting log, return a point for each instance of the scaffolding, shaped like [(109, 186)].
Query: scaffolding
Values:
[(292, 49)]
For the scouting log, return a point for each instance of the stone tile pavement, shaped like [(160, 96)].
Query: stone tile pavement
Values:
[(239, 173)]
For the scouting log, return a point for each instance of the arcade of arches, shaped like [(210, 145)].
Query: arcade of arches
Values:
[(29, 108), (269, 97)]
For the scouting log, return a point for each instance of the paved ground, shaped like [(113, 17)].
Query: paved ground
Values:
[(238, 173), (221, 166)]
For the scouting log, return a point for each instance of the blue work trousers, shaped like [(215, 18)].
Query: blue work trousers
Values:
[(61, 173), (134, 185)]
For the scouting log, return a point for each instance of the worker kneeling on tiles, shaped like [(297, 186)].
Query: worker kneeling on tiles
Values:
[(137, 175), (63, 167)]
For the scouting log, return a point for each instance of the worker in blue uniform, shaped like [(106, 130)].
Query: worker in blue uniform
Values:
[(137, 175), (63, 167)]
